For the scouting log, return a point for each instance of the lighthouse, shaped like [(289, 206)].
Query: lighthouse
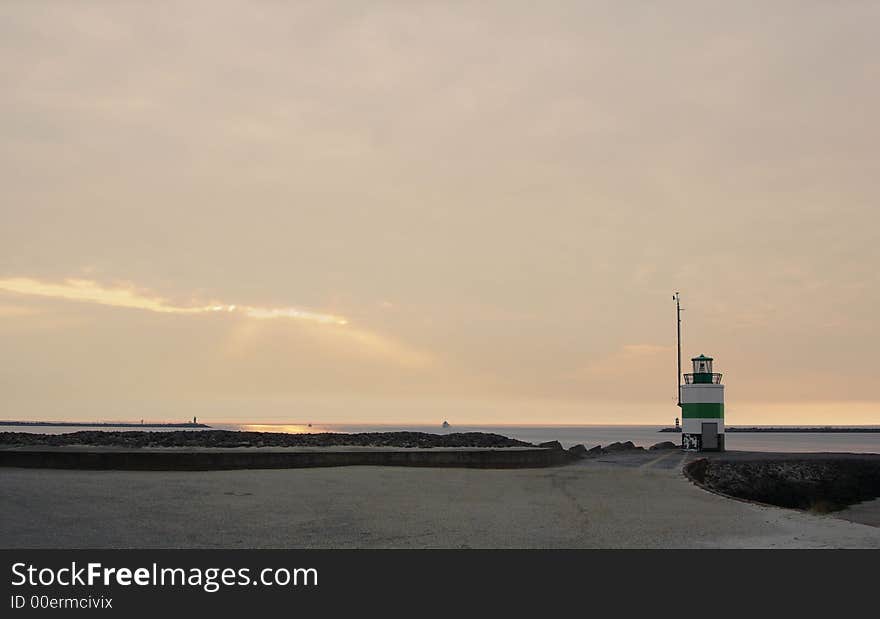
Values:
[(702, 408)]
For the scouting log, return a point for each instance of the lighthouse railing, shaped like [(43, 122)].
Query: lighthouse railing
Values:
[(713, 378)]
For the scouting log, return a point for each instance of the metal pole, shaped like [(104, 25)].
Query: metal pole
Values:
[(677, 298)]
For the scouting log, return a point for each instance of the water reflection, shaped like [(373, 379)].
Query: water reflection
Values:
[(282, 427)]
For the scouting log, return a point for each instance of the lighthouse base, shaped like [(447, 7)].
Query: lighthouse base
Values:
[(694, 442)]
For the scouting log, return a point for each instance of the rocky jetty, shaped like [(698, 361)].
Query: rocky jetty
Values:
[(578, 451), (226, 438), (551, 445), (231, 439), (663, 445), (815, 482), (625, 446)]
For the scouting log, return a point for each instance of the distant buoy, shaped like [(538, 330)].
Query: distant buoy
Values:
[(445, 424)]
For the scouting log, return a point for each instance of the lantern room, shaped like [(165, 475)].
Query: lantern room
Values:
[(702, 374), (702, 364)]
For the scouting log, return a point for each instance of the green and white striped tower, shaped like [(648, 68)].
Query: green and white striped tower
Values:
[(702, 408)]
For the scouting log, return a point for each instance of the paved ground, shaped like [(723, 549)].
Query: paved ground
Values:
[(867, 512), (640, 500)]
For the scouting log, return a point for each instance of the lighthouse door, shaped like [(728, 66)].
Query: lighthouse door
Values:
[(710, 435)]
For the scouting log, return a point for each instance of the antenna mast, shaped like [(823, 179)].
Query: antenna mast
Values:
[(677, 298)]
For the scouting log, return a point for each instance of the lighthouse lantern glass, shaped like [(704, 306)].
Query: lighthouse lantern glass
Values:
[(702, 366)]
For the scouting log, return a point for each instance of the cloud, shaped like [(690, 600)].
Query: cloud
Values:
[(333, 333), (16, 311), (629, 360), (89, 291), (643, 350)]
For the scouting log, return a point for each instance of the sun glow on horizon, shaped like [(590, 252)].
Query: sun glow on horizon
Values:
[(285, 428)]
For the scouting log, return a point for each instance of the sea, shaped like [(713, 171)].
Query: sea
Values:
[(588, 435)]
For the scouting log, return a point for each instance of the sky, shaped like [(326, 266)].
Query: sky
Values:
[(416, 211)]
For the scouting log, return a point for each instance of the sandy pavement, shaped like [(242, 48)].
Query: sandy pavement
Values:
[(629, 500)]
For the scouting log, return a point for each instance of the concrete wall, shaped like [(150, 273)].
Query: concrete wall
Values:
[(247, 459)]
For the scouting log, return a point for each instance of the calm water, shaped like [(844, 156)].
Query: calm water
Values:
[(567, 435)]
